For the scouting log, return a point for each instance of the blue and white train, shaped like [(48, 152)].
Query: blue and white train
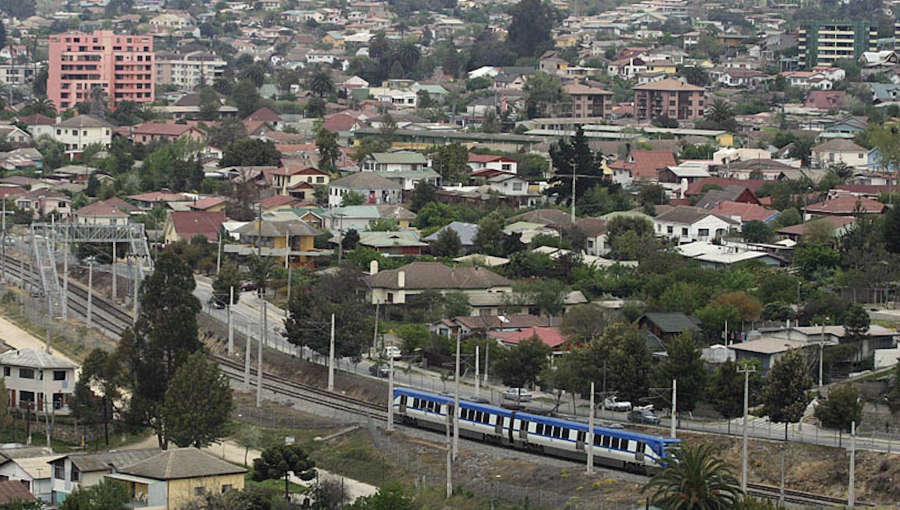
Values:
[(612, 447)]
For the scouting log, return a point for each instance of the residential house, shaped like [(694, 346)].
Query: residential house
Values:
[(113, 211), (514, 186), (400, 286), (744, 212), (837, 225), (481, 325), (267, 116), (696, 188), (587, 101), (866, 343), (393, 244), (292, 238), (147, 132), (32, 473), (35, 379), (44, 203), (669, 98), (765, 350), (478, 162), (465, 231), (595, 230), (185, 225), (86, 469), (550, 336), (163, 198), (175, 477), (720, 255), (641, 166), (209, 204), (38, 125), (402, 161), (299, 182), (358, 217), (277, 203), (667, 326), (14, 135), (487, 302), (79, 131), (374, 188), (844, 205), (685, 224), (839, 151), (21, 159)]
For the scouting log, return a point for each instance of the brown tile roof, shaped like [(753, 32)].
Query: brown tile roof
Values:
[(181, 463), (188, 224), (544, 217), (14, 490), (670, 84), (264, 114), (592, 227), (799, 230), (102, 208), (847, 204), (434, 275), (746, 212), (839, 145), (696, 187)]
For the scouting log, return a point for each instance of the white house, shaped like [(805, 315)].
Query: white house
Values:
[(34, 379), (33, 472), (401, 98), (837, 151), (80, 131), (375, 189), (686, 224), (486, 161), (509, 184), (84, 469), (403, 161)]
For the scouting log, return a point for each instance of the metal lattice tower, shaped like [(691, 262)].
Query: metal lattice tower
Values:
[(46, 236)]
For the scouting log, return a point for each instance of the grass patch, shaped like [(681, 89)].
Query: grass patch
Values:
[(274, 485), (38, 438)]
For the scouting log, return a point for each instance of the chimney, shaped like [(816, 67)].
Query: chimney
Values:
[(58, 119), (401, 279), (373, 267)]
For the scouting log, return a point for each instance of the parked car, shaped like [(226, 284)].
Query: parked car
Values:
[(517, 394), (612, 404), (248, 286), (380, 370), (392, 351), (215, 302), (643, 416)]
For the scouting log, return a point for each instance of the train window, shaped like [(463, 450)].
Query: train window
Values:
[(617, 443), (640, 447), (606, 441), (580, 436), (598, 440), (539, 428)]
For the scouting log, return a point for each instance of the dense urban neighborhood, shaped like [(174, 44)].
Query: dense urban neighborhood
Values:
[(468, 254)]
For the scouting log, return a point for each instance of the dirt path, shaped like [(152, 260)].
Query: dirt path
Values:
[(18, 338)]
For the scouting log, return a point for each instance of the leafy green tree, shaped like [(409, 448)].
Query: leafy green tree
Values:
[(311, 307), (452, 162), (893, 397), (531, 26), (523, 363), (4, 404), (227, 283), (328, 149), (248, 436), (448, 243), (209, 104), (841, 408), (414, 336), (816, 260), (163, 337), (225, 132), (574, 157), (392, 496), (351, 198), (726, 391), (685, 365), (350, 240), (653, 194), (109, 494), (422, 195), (584, 323), (197, 418), (543, 91), (281, 461), (97, 391), (714, 317), (548, 296), (693, 479), (777, 311), (891, 226), (784, 396), (489, 238), (757, 232), (251, 152), (856, 322), (246, 97), (315, 108), (320, 82)]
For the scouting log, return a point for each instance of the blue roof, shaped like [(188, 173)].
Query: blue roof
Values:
[(465, 231), (486, 408), (624, 434), (423, 395)]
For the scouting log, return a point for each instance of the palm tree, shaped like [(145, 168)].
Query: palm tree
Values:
[(255, 73), (42, 105), (223, 85), (719, 111), (408, 54), (320, 83), (693, 479)]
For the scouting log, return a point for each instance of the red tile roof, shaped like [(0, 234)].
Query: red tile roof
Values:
[(648, 163), (160, 196), (339, 122), (847, 204), (865, 189), (696, 187), (825, 99), (278, 200), (551, 336), (14, 490), (103, 208), (206, 203), (11, 191), (264, 114), (159, 129), (37, 120), (189, 224), (746, 212), (488, 158)]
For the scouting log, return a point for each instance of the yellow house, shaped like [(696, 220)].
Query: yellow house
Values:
[(662, 66), (566, 41), (174, 478), (277, 239), (725, 140), (335, 39)]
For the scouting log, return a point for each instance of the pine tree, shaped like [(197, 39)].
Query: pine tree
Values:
[(197, 418), (784, 395)]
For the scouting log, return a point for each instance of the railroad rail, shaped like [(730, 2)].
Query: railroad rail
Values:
[(798, 497)]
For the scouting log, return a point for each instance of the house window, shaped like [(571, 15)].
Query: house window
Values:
[(199, 491), (59, 471), (226, 488), (703, 232), (26, 373), (517, 186), (59, 375), (669, 229), (684, 232), (390, 297), (76, 475), (6, 371)]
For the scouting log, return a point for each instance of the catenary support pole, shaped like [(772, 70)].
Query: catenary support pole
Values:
[(90, 303), (113, 273), (3, 260), (590, 436), (259, 355), (477, 377), (230, 321), (456, 400), (331, 357), (851, 492), (248, 349), (390, 410), (747, 370), (65, 303), (674, 407), (449, 461)]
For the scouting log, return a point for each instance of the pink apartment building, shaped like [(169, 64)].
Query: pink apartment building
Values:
[(121, 64)]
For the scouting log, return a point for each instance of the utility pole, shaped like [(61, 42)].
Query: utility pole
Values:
[(65, 303), (390, 416), (747, 370), (248, 347), (375, 333), (487, 362), (590, 436), (456, 400), (137, 285), (113, 272), (674, 406), (259, 362), (781, 487), (230, 321), (449, 461), (48, 342), (477, 381), (573, 193), (851, 493), (331, 357), (3, 261), (90, 303), (822, 352)]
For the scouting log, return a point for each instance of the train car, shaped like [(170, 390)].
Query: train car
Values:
[(541, 434)]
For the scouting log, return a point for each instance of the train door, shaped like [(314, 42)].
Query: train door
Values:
[(639, 452), (579, 440), (523, 430), (402, 404)]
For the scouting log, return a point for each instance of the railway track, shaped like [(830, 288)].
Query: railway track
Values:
[(113, 319)]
